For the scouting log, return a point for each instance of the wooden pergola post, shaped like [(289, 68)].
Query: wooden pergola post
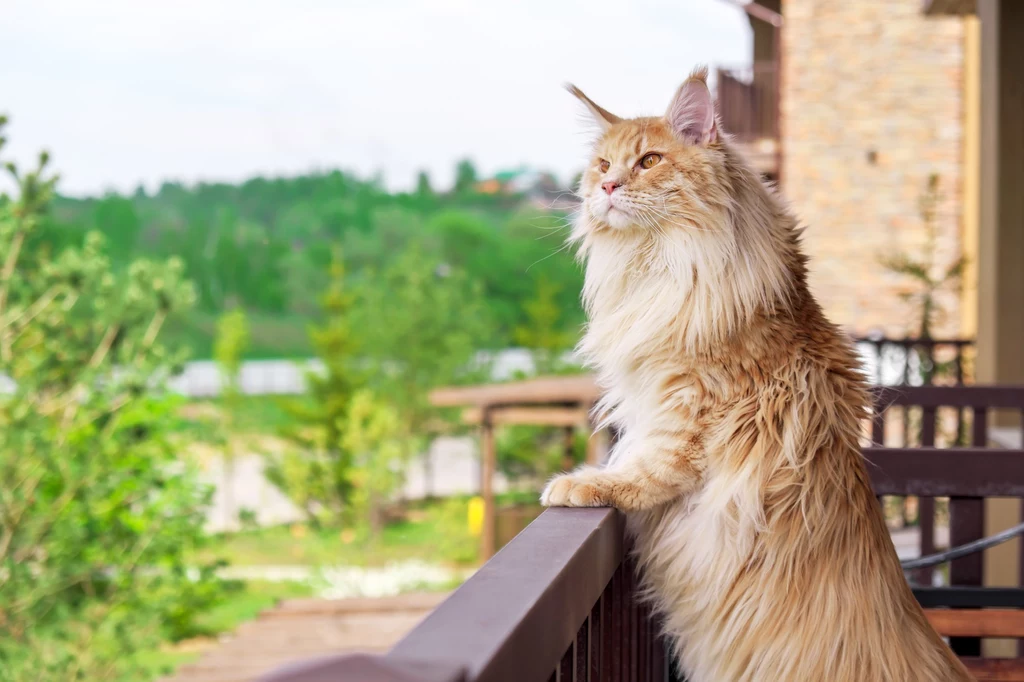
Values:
[(568, 447), (558, 402), (488, 463), (599, 442)]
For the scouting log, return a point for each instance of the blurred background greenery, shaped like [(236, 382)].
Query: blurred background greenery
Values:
[(112, 565)]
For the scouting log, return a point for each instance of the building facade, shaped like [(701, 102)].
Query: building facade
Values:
[(876, 98), (872, 106)]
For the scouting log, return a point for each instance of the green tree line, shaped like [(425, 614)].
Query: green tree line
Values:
[(265, 246)]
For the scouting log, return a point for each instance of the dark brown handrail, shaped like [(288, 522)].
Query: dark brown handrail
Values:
[(514, 620), (943, 472), (981, 397), (558, 602)]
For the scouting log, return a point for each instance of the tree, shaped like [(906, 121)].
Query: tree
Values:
[(98, 512), (465, 176), (228, 347), (542, 333), (381, 446), (423, 187), (317, 475), (421, 323), (927, 276)]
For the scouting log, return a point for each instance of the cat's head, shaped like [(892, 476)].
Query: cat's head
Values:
[(654, 173)]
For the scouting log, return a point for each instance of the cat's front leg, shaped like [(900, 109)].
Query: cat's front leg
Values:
[(660, 470)]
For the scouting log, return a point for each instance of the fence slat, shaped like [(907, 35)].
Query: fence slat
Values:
[(966, 523), (926, 505)]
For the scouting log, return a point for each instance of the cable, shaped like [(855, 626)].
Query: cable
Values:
[(963, 550)]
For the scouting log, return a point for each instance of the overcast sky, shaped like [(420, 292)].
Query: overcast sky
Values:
[(130, 91)]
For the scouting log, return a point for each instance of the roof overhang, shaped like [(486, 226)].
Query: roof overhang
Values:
[(959, 8)]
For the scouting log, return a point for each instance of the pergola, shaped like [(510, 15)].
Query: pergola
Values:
[(561, 401)]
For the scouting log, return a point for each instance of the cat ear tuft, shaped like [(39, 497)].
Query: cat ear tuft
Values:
[(691, 114), (604, 118)]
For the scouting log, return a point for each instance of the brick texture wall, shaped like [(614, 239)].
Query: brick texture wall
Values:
[(872, 104)]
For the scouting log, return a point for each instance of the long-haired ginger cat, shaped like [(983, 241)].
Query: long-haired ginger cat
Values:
[(759, 537)]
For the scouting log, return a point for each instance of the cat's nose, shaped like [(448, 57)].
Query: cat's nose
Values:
[(609, 187)]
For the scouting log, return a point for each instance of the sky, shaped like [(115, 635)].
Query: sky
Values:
[(124, 92)]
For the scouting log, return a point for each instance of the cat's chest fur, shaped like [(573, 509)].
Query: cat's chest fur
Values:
[(699, 541)]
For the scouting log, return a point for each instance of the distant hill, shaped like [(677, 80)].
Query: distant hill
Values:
[(266, 243)]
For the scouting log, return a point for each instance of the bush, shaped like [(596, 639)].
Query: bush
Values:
[(97, 509)]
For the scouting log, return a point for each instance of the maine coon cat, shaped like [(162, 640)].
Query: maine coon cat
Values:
[(756, 529)]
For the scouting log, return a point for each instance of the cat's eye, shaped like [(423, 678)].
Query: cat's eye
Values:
[(604, 166), (650, 161)]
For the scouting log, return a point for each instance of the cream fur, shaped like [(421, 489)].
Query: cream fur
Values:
[(760, 541)]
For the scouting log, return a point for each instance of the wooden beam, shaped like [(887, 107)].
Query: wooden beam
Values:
[(950, 7), (568, 447), (597, 447), (942, 472), (995, 669), (977, 622), (577, 389), (532, 416), (488, 462)]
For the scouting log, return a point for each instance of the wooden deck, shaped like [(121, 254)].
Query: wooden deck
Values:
[(309, 628)]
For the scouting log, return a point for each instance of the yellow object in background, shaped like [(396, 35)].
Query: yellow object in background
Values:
[(476, 515)]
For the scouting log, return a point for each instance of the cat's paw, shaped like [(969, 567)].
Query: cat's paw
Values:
[(572, 490)]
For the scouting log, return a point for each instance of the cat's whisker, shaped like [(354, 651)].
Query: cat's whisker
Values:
[(557, 251)]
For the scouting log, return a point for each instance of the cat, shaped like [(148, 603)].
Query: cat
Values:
[(758, 536)]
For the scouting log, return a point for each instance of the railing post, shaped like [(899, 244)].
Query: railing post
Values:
[(488, 461)]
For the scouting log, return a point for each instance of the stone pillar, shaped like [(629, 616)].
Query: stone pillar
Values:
[(1001, 240)]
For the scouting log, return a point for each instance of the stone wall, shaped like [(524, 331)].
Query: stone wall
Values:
[(872, 105)]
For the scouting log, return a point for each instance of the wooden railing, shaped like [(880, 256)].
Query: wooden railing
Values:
[(557, 603), (944, 459), (947, 362), (748, 101)]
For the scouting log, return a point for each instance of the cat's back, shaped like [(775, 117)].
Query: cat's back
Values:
[(780, 567)]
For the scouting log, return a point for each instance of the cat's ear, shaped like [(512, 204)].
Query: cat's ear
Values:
[(602, 116), (692, 112)]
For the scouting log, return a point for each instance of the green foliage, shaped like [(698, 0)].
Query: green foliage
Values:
[(381, 445), (465, 176), (228, 347), (265, 246), (536, 452), (423, 187), (436, 530), (454, 542), (317, 473), (542, 333), (421, 322), (97, 509)]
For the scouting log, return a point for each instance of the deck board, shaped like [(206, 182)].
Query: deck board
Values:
[(308, 628)]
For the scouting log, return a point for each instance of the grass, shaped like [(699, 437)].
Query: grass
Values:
[(253, 415), (435, 531), (247, 603), (238, 607)]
